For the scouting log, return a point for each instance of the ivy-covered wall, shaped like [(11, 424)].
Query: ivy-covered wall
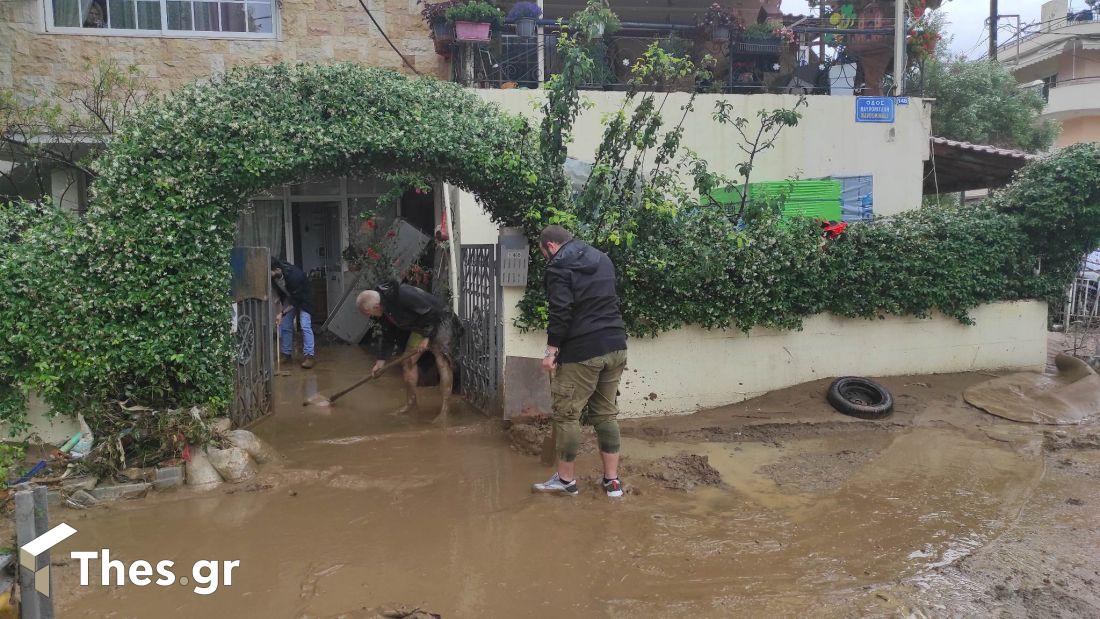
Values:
[(133, 303)]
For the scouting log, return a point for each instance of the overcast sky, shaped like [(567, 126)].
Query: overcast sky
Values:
[(966, 20)]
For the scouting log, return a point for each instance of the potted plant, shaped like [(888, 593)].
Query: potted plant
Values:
[(435, 15), (474, 21), (524, 16), (765, 38), (720, 22), (595, 20)]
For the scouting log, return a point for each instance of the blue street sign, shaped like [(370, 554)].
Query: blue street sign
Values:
[(875, 109)]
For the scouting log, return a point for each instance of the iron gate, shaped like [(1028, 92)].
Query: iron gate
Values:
[(481, 349), (253, 335)]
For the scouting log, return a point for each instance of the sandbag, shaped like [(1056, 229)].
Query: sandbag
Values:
[(233, 464), (199, 470), (260, 451)]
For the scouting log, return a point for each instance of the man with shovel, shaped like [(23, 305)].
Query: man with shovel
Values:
[(585, 355), (432, 326)]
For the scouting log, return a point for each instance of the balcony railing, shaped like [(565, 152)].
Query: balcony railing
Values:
[(512, 61)]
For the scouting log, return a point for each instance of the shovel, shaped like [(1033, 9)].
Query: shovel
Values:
[(319, 400)]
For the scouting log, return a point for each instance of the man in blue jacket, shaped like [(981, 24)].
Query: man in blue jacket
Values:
[(585, 354)]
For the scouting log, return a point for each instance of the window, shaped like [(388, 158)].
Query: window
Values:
[(243, 18), (1048, 83)]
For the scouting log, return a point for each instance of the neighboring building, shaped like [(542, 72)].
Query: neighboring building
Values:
[(1062, 59)]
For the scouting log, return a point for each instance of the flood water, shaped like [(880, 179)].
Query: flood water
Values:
[(367, 511)]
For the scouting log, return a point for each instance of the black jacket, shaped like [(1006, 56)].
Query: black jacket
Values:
[(406, 309), (297, 285), (584, 307)]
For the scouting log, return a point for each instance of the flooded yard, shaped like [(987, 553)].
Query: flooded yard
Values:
[(776, 506)]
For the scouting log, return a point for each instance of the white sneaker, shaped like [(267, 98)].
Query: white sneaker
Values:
[(613, 487), (555, 485)]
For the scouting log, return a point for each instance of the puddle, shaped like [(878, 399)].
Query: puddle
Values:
[(368, 510)]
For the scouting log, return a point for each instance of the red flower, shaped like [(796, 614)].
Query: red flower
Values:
[(373, 255), (371, 224), (391, 234)]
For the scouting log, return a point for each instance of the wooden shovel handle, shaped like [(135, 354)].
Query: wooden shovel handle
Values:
[(389, 364)]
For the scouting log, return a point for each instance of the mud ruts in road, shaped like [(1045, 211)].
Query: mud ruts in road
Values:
[(773, 506)]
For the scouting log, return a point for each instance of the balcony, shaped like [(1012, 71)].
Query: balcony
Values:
[(746, 67), (1074, 98)]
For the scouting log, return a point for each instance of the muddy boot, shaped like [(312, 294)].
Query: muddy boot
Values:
[(309, 362), (284, 358)]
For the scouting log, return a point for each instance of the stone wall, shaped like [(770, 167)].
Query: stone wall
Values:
[(308, 31)]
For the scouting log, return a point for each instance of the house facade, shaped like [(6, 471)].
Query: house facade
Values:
[(875, 159), (1062, 60)]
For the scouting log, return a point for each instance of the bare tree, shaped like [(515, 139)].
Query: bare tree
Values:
[(43, 133)]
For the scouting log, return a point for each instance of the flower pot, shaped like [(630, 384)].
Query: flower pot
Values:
[(720, 33), (525, 27), (442, 30), (472, 31)]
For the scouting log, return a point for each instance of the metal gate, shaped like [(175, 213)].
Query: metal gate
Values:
[(253, 335), (481, 349)]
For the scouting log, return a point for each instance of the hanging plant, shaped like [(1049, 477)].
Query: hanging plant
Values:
[(720, 22), (435, 15), (595, 20)]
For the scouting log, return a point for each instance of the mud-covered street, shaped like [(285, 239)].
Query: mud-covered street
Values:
[(777, 506)]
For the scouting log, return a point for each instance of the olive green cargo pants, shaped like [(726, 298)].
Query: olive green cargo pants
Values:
[(586, 392)]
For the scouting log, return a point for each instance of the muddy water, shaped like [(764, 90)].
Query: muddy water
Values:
[(367, 510)]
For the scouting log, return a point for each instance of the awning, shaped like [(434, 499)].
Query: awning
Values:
[(1008, 56), (961, 166)]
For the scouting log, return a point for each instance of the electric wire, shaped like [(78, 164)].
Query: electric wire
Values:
[(387, 38)]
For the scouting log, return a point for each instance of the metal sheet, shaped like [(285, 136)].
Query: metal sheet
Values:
[(526, 388), (405, 244), (251, 268)]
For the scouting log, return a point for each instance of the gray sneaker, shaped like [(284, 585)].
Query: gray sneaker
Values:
[(555, 485)]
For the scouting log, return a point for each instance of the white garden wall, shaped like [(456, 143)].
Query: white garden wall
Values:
[(692, 368)]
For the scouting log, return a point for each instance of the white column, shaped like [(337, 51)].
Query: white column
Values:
[(540, 45), (899, 47)]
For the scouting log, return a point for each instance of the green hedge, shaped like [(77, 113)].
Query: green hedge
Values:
[(134, 304)]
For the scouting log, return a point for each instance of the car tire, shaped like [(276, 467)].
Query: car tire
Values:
[(860, 397)]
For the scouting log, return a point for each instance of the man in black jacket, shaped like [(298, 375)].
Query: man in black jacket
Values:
[(296, 297), (585, 354), (431, 326)]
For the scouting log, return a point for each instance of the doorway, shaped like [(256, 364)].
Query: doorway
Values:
[(316, 228)]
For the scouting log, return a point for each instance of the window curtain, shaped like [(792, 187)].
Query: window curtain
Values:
[(70, 13), (262, 226)]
